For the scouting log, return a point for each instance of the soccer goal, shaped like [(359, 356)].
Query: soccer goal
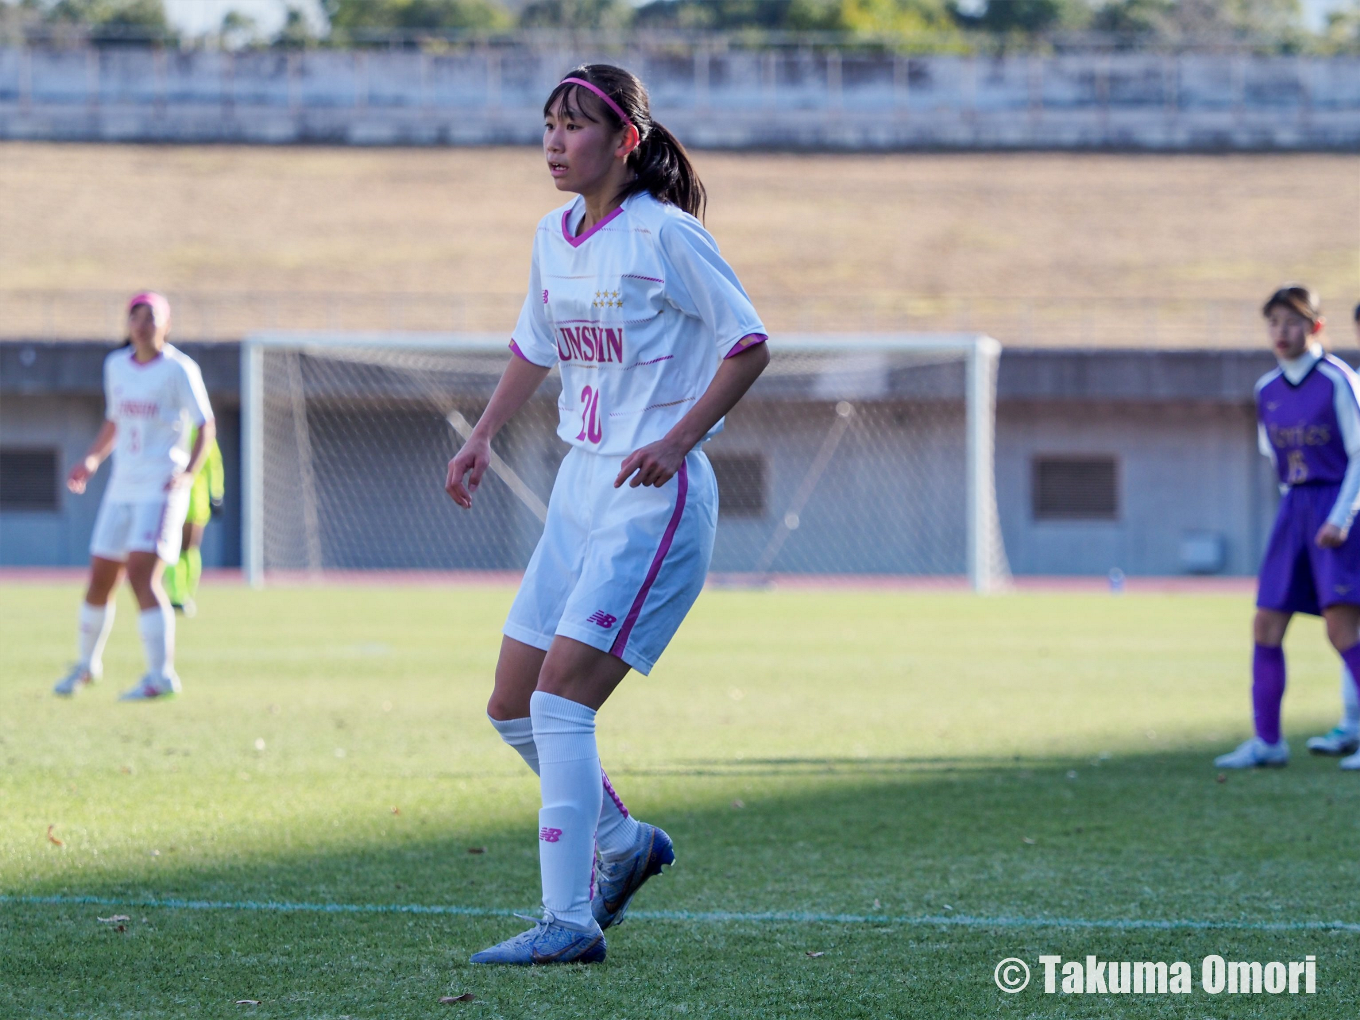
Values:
[(851, 455)]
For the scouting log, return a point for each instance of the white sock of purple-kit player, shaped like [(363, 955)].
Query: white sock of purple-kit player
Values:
[(157, 627), (569, 778), (1350, 702), (617, 832), (95, 624)]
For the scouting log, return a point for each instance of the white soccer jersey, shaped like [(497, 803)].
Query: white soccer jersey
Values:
[(637, 311), (154, 404)]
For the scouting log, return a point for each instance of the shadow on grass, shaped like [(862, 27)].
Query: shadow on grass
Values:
[(892, 841)]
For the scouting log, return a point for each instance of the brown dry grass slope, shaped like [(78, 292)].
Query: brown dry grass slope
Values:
[(1036, 248)]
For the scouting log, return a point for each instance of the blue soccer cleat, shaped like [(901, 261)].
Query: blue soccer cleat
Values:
[(548, 941), (1255, 754), (1340, 741), (617, 881)]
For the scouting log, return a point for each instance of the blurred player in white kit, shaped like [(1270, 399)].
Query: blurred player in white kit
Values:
[(154, 398)]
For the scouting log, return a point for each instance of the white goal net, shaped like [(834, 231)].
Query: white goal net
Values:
[(851, 455)]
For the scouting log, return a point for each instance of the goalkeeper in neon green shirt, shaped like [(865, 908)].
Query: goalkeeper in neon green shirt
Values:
[(181, 580)]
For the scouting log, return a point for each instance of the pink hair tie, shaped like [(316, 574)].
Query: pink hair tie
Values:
[(609, 102)]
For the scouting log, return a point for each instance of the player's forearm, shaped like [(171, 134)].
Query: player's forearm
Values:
[(734, 378), (520, 380), (207, 432), (101, 447)]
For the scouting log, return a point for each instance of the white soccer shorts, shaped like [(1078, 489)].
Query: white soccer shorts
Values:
[(147, 526), (618, 569)]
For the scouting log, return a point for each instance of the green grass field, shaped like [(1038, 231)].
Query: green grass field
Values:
[(968, 779)]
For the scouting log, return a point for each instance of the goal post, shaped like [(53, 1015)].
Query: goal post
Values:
[(851, 455)]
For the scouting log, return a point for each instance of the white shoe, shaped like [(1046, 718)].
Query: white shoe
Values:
[(1253, 754), (74, 682), (152, 688), (1339, 741), (1351, 763)]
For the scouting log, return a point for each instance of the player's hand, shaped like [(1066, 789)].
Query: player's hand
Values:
[(1329, 536), (654, 464), (179, 480), (80, 476), (471, 461)]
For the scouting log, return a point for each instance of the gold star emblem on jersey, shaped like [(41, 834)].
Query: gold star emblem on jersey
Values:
[(607, 299)]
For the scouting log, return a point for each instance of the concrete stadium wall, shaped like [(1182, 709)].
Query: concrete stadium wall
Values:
[(1179, 426), (711, 96)]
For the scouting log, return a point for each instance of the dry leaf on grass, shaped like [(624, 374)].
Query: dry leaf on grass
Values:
[(738, 804), (1221, 778), (396, 810), (114, 919), (476, 849), (1027, 839), (247, 1002), (53, 839), (444, 1000), (815, 955)]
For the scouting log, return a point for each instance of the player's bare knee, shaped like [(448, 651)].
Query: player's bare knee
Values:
[(507, 704), (1268, 627), (1342, 630)]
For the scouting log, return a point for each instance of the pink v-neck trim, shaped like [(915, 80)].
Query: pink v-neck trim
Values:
[(576, 242), (146, 364)]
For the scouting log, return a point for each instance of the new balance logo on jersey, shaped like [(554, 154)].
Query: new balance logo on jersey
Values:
[(548, 835), (602, 618)]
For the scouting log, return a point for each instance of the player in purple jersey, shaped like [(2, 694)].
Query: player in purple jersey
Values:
[(1308, 416)]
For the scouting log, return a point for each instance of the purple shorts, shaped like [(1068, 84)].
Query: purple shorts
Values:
[(1297, 576)]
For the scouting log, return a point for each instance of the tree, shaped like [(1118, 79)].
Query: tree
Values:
[(902, 18), (579, 14), (1343, 30), (715, 15), (350, 16), (113, 20), (1029, 17)]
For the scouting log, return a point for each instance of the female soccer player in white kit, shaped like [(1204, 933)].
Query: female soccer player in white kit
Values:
[(153, 398), (656, 342)]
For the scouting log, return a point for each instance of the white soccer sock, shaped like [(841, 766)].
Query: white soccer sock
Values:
[(569, 778), (93, 634), (617, 832), (1350, 701), (519, 734), (157, 627)]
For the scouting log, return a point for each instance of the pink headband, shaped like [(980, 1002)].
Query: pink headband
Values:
[(609, 102), (160, 308)]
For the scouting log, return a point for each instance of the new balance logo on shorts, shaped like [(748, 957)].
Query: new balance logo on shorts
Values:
[(549, 835), (603, 619)]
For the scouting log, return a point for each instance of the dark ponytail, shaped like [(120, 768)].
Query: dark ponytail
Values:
[(660, 162)]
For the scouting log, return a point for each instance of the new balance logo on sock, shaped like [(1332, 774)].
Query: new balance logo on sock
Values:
[(603, 619), (549, 835)]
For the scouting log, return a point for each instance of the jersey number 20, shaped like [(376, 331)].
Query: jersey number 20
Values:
[(590, 416)]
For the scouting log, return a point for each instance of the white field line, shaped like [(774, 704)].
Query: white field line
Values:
[(700, 916)]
